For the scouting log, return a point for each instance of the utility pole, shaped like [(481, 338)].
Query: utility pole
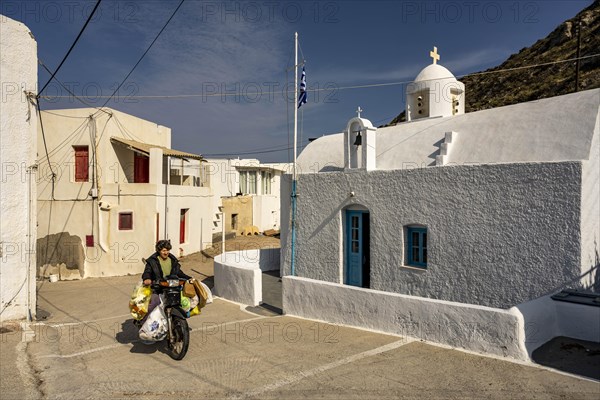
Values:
[(578, 54)]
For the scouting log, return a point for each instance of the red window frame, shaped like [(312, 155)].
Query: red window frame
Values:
[(126, 221)]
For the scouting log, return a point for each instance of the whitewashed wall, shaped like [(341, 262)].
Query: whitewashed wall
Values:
[(18, 146), (475, 328), (117, 252), (225, 181), (590, 215), (238, 274), (498, 235), (545, 319)]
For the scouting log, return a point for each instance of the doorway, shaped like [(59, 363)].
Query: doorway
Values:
[(357, 271)]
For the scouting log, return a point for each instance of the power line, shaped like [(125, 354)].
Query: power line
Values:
[(37, 103), (66, 140), (72, 46), (70, 91), (251, 152), (183, 96), (143, 55)]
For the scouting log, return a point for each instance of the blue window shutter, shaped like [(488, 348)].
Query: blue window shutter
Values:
[(416, 250)]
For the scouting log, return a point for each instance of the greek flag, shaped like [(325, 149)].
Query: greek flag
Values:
[(302, 96)]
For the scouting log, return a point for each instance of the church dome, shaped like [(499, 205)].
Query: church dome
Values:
[(434, 72)]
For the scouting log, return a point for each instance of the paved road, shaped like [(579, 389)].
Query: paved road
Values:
[(87, 348)]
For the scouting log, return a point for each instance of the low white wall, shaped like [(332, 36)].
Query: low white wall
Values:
[(545, 319), (238, 274), (475, 328)]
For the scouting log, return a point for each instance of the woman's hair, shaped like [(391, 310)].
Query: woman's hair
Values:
[(163, 244)]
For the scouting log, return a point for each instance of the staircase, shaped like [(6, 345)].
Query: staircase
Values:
[(217, 219), (445, 147)]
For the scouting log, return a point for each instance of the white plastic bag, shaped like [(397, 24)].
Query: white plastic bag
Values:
[(209, 298), (155, 328), (194, 301)]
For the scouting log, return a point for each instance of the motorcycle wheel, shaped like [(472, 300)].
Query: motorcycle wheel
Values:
[(181, 339)]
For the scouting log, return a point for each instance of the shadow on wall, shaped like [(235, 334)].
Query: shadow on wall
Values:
[(269, 258), (595, 275), (589, 281), (61, 254)]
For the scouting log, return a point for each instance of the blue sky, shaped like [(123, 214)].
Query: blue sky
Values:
[(244, 48)]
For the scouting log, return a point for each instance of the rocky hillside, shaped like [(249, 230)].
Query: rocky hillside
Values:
[(500, 89)]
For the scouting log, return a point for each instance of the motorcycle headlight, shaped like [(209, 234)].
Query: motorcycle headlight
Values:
[(173, 282)]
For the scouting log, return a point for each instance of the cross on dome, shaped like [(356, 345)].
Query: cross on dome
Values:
[(358, 111), (434, 54)]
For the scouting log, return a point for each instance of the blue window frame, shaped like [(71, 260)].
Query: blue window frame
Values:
[(416, 246)]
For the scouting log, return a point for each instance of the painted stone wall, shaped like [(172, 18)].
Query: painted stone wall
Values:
[(70, 210), (475, 328), (498, 235), (18, 130), (240, 206), (590, 216), (238, 274), (61, 254)]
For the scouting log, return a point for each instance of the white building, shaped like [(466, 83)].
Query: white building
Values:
[(18, 145), (451, 224), (247, 192), (118, 187)]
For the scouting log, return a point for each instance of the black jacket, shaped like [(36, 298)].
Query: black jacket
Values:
[(154, 272)]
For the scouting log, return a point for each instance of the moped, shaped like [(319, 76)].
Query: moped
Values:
[(178, 333)]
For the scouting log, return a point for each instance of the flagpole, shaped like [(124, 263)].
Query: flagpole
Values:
[(293, 264), (296, 99)]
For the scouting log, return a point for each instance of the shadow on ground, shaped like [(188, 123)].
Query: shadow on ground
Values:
[(566, 354)]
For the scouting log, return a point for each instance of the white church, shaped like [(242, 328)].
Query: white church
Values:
[(450, 227)]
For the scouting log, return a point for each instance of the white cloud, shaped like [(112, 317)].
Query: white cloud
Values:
[(476, 60)]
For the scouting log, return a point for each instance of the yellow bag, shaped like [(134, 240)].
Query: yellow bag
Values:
[(194, 311), (140, 300)]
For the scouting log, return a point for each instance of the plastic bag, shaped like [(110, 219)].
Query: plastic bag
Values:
[(209, 296), (204, 293), (140, 300), (194, 302), (155, 328), (185, 302), (194, 311)]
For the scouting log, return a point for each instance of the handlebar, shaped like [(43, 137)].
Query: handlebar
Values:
[(164, 283)]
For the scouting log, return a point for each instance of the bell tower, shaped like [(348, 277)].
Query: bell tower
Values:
[(359, 144), (435, 92)]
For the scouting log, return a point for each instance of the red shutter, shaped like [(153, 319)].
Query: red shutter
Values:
[(182, 226), (81, 163), (141, 169), (125, 221)]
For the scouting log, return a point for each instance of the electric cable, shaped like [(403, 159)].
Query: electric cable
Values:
[(8, 303), (384, 84), (143, 55), (37, 102), (65, 140), (253, 152), (72, 46), (125, 132), (71, 92)]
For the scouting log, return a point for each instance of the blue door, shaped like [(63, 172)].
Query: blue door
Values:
[(355, 248)]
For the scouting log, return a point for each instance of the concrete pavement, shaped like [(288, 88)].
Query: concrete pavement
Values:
[(88, 348)]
